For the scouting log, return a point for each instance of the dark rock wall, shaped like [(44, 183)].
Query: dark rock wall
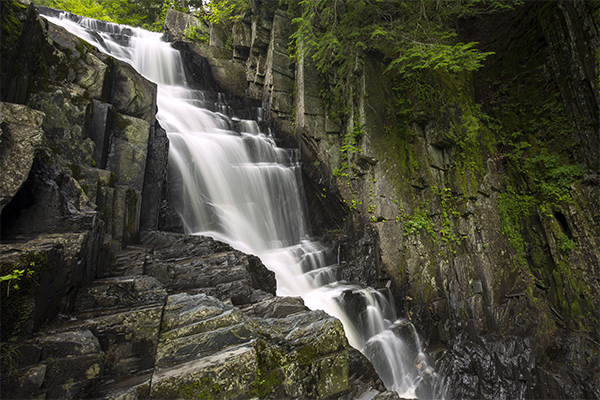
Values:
[(80, 151)]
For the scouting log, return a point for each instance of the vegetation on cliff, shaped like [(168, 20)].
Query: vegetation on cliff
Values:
[(148, 14)]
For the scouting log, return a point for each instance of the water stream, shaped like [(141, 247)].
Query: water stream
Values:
[(240, 188)]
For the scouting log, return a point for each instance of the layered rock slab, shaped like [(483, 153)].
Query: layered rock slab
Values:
[(133, 336)]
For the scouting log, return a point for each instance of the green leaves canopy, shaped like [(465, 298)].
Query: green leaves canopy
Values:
[(148, 14), (409, 35)]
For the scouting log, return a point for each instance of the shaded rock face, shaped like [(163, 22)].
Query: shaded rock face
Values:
[(78, 138), (99, 124), (463, 292), (21, 137)]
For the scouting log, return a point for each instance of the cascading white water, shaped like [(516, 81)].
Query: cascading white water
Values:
[(239, 187)]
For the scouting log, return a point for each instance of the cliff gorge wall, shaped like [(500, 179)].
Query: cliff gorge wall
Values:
[(474, 196)]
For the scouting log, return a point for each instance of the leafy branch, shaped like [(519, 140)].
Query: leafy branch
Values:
[(15, 276)]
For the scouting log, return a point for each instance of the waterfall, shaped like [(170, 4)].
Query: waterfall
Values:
[(240, 188)]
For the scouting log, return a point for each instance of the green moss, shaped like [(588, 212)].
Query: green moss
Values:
[(202, 389), (11, 26), (270, 373), (76, 171), (307, 354), (131, 215)]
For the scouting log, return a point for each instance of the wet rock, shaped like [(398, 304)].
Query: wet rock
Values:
[(134, 386), (128, 338), (360, 368), (130, 261), (277, 307), (85, 68), (154, 178), (20, 138), (209, 375), (100, 131), (199, 324), (132, 94), (68, 110), (120, 292), (210, 266), (190, 347)]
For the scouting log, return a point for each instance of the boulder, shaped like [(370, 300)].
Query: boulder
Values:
[(204, 265), (85, 67), (154, 179), (20, 137), (49, 201), (68, 110), (222, 332), (131, 93), (209, 376), (129, 337), (130, 142), (181, 26)]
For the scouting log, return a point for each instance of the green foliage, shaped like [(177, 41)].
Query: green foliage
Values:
[(514, 208), (16, 300), (565, 244), (148, 14), (419, 221), (453, 58), (553, 177), (15, 276), (349, 148), (9, 355), (87, 8), (411, 35), (224, 10), (197, 35)]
